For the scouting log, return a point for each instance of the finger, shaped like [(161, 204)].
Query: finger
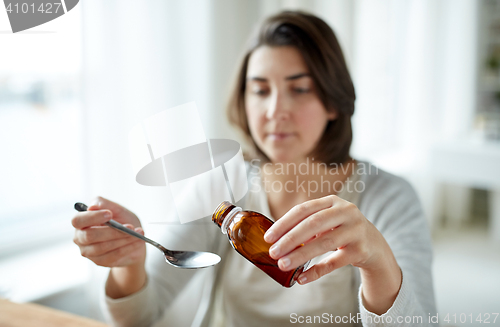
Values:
[(330, 241), (316, 224), (132, 227), (295, 215), (97, 234), (122, 256), (336, 260), (86, 219), (101, 248)]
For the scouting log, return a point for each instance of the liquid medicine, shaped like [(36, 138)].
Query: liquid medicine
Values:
[(245, 230)]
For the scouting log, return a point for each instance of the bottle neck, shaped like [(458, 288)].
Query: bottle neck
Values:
[(224, 214), (228, 219)]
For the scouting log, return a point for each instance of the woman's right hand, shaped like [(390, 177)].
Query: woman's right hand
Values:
[(106, 246)]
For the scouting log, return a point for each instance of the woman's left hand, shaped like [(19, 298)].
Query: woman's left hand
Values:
[(323, 225)]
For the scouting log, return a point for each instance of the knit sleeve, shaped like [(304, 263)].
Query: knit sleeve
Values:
[(164, 282), (393, 207)]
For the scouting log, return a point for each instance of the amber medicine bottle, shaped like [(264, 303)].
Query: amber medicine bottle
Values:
[(245, 230)]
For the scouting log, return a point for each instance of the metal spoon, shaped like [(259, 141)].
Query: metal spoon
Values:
[(179, 259)]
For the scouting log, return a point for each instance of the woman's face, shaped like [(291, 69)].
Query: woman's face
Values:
[(285, 115)]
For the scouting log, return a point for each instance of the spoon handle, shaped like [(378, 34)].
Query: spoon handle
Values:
[(116, 225)]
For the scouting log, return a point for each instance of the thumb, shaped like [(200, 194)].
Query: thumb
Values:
[(139, 230), (99, 203)]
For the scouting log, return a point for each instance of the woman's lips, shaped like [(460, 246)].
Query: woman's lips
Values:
[(279, 136)]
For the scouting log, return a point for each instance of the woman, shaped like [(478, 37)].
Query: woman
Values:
[(367, 239)]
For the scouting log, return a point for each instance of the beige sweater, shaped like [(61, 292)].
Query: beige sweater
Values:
[(236, 293)]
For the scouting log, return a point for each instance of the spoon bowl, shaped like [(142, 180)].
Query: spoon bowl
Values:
[(191, 259), (179, 259)]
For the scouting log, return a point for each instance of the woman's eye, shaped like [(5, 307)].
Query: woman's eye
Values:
[(260, 92), (301, 90)]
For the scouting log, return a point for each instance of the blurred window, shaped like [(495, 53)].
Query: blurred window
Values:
[(41, 166)]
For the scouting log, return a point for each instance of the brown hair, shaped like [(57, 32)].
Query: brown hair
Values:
[(321, 51)]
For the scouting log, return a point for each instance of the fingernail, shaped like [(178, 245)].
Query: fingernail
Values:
[(107, 215), (274, 250), (269, 236), (302, 279), (285, 262)]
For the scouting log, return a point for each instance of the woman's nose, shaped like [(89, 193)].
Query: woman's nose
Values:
[(278, 108)]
